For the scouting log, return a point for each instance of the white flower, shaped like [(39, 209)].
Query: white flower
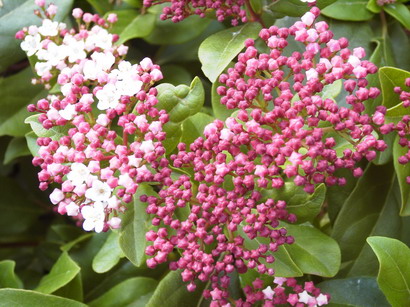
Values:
[(147, 146), (79, 173), (354, 61), (125, 180), (226, 134), (98, 37), (133, 161), (66, 89), (49, 28), (103, 60), (311, 74), (69, 112), (103, 120), (309, 1), (31, 44), (268, 293), (94, 217), (304, 297), (72, 209), (56, 196), (90, 70), (100, 191), (108, 97), (322, 299), (42, 68)]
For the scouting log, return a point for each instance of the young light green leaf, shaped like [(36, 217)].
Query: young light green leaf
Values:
[(131, 292), (18, 297), (352, 10), (400, 12), (109, 255), (62, 272), (220, 111), (394, 271), (363, 291), (16, 148), (136, 222), (8, 279), (218, 50), (193, 127), (390, 77), (402, 171), (55, 133)]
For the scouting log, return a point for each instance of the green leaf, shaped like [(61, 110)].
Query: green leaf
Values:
[(109, 255), (363, 292), (193, 127), (11, 22), (220, 111), (101, 6), (371, 209), (16, 94), (295, 8), (218, 50), (8, 279), (73, 290), (180, 102), (373, 7), (394, 271), (62, 272), (172, 291), (131, 25), (31, 139), (305, 206), (16, 148), (55, 133), (167, 32), (400, 43), (17, 297), (402, 172), (351, 10), (313, 251), (135, 223), (175, 74), (400, 12), (131, 292)]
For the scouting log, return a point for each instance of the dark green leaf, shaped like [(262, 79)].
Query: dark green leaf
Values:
[(175, 75), (101, 6), (305, 206), (352, 10), (394, 271), (363, 292), (8, 279), (62, 272), (11, 22), (218, 50), (402, 171), (400, 12), (14, 297), (16, 94), (16, 148), (131, 292), (109, 255), (73, 290), (295, 8), (136, 222)]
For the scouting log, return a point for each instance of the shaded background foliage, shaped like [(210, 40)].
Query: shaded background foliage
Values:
[(47, 253)]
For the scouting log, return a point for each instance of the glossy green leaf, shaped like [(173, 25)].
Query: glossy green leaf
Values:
[(180, 102), (305, 206), (109, 255), (8, 279), (390, 77), (295, 8), (135, 223), (131, 25), (16, 94), (11, 22), (218, 50), (373, 7), (101, 6), (167, 32), (193, 127), (16, 148), (352, 10), (362, 291), (220, 111), (172, 291), (73, 290), (55, 133), (394, 271), (400, 12), (62, 272), (400, 43), (402, 171), (175, 74), (17, 297), (31, 139), (132, 292)]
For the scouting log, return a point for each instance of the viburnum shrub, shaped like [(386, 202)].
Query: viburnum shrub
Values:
[(262, 187)]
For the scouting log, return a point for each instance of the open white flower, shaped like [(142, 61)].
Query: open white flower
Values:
[(108, 97), (69, 112), (94, 217), (31, 44), (99, 191), (79, 173), (49, 28), (72, 209)]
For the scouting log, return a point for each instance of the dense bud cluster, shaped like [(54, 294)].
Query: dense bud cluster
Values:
[(181, 9), (283, 114), (110, 131)]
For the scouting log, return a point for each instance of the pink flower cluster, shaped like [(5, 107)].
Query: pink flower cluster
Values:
[(284, 118), (284, 291), (110, 133), (181, 9)]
